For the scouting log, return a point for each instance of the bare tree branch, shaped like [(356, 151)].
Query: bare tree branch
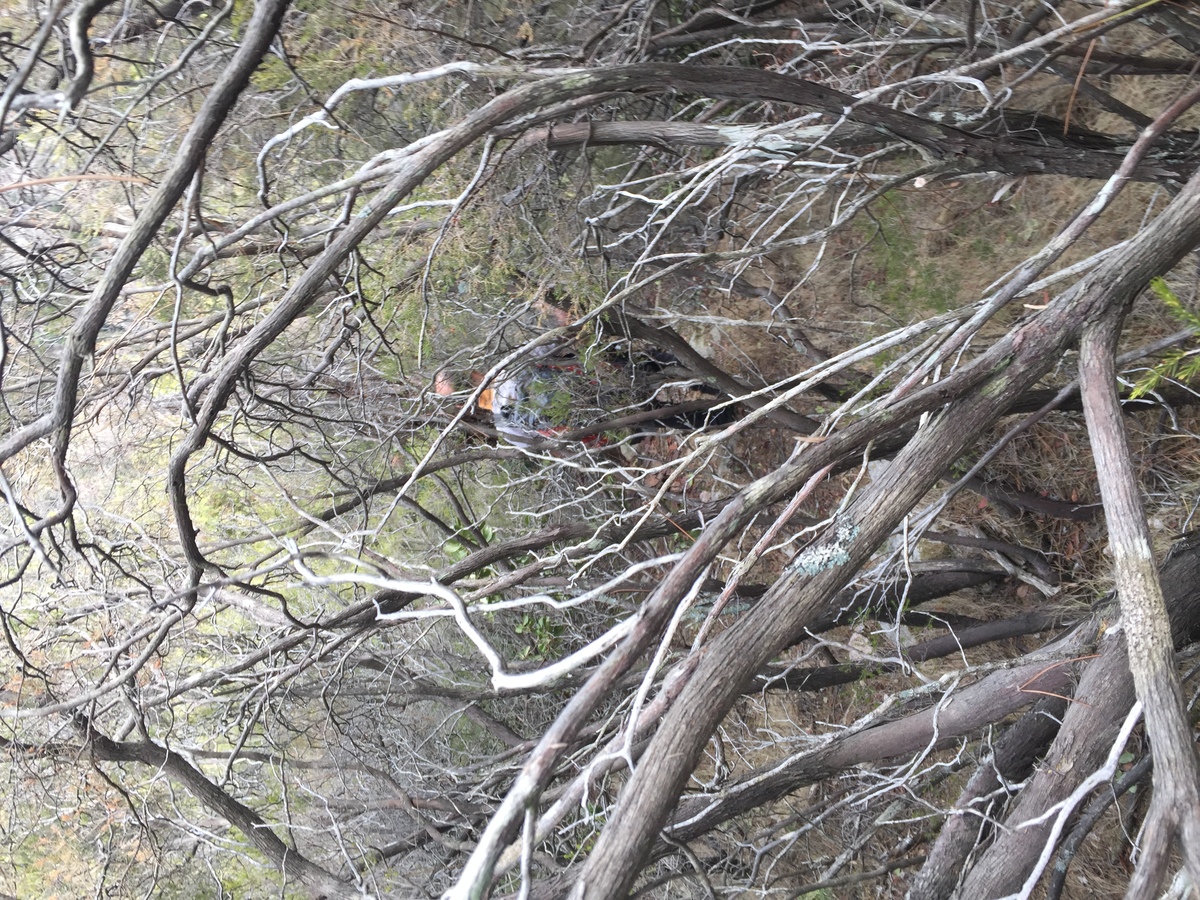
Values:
[(319, 882)]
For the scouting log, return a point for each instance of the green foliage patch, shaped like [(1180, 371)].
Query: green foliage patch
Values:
[(1181, 364), (903, 276)]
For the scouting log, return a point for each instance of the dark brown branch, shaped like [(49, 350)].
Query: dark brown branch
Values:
[(808, 890), (630, 322), (319, 882), (1007, 495), (818, 678), (1111, 63)]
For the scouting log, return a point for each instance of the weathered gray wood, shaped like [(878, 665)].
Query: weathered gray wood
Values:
[(1099, 706), (1014, 755), (1144, 620), (1010, 367), (1096, 712)]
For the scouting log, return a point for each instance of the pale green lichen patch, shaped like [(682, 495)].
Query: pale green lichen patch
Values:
[(827, 554)]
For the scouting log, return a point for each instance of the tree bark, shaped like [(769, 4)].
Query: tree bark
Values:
[(1023, 742), (1017, 144), (821, 677), (732, 659), (1176, 805)]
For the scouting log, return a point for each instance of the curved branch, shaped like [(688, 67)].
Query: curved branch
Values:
[(818, 678), (81, 341)]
